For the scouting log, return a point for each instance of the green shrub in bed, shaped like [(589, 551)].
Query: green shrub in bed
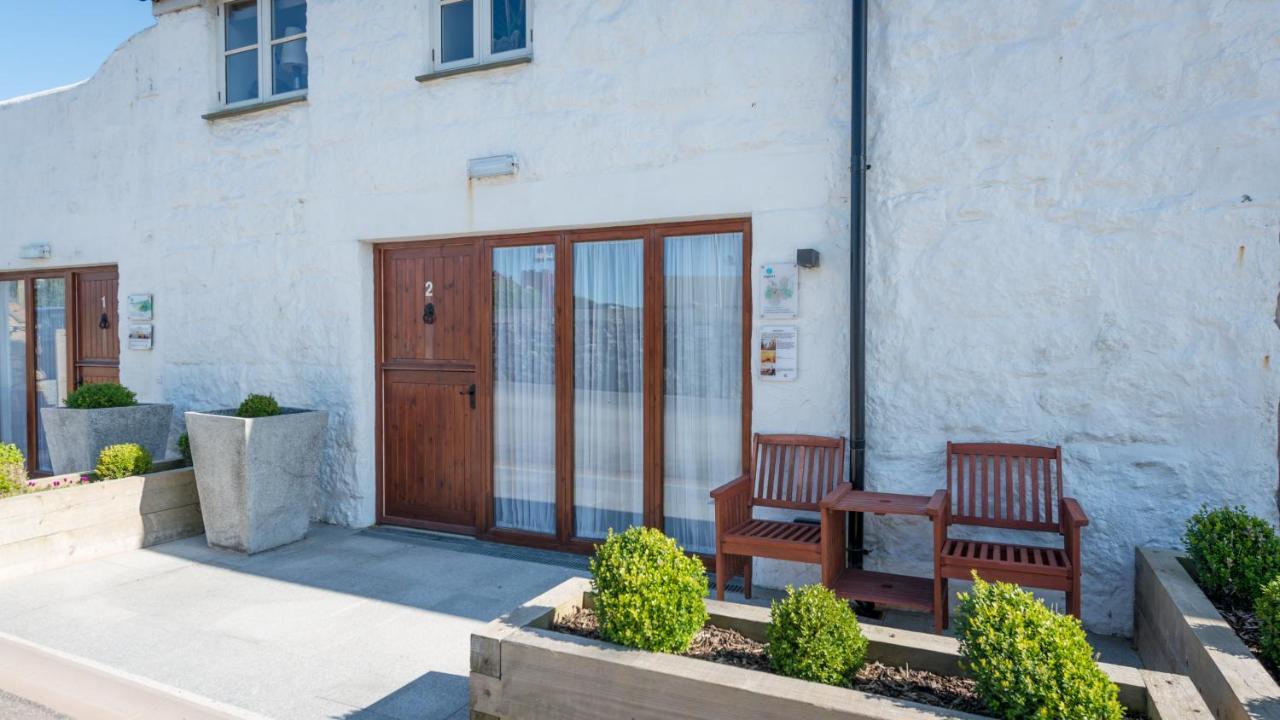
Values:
[(96, 396), (648, 592), (121, 461), (1267, 612), (814, 635), (1234, 553), (256, 406), (1029, 661), (13, 470)]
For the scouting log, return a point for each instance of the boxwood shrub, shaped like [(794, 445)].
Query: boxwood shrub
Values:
[(121, 461), (1027, 660), (1234, 553), (13, 470), (648, 592), (101, 395), (1267, 612), (814, 635), (256, 406), (184, 447)]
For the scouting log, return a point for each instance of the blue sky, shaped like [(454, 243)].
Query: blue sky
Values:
[(50, 43)]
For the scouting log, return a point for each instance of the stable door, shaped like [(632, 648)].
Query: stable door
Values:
[(427, 371)]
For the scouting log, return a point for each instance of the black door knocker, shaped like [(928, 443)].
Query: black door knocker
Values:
[(104, 322), (429, 314)]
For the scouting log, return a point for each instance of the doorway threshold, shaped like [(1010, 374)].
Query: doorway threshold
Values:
[(462, 543)]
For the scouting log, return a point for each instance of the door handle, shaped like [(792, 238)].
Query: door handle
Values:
[(472, 392)]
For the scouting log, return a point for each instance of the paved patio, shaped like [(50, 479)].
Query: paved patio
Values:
[(342, 625), (347, 625)]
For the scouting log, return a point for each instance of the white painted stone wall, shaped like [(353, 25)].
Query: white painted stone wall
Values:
[(1060, 249)]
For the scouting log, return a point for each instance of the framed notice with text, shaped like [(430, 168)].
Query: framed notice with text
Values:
[(779, 291), (778, 352)]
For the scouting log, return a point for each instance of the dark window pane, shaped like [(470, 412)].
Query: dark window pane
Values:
[(51, 356), (242, 76), (242, 24), (508, 25), (289, 66), (290, 18), (457, 31)]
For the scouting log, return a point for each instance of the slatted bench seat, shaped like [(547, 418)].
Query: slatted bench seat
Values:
[(1014, 487), (792, 472)]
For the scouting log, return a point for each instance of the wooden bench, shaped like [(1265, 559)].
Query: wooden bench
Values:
[(1014, 487), (792, 472)]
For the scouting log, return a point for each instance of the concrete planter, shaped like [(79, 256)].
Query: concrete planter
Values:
[(1177, 629), (77, 436), (256, 476), (522, 670), (44, 530)]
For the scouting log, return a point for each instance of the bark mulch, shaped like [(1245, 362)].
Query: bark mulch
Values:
[(1245, 623), (730, 647)]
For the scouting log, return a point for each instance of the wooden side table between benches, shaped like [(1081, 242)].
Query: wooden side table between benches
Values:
[(904, 591)]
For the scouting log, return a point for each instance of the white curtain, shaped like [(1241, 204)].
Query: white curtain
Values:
[(608, 299), (524, 390), (702, 404)]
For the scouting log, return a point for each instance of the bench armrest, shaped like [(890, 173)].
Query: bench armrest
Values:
[(1072, 514), (741, 484), (834, 496), (937, 504)]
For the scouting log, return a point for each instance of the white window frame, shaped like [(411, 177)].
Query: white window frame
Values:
[(482, 36), (265, 47)]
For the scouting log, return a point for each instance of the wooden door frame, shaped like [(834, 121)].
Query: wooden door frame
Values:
[(652, 235), (27, 277)]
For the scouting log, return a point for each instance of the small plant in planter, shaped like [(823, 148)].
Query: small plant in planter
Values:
[(1029, 661), (122, 461), (1267, 612), (184, 447), (815, 636), (1234, 553), (97, 416), (256, 466), (13, 470), (648, 592)]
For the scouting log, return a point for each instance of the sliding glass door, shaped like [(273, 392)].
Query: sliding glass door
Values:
[(608, 386), (51, 356), (524, 389), (702, 379), (618, 365), (13, 363)]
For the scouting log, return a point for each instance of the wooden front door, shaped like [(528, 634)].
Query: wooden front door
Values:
[(97, 327), (428, 297)]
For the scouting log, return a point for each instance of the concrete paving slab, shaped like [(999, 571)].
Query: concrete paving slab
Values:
[(339, 625), (13, 707)]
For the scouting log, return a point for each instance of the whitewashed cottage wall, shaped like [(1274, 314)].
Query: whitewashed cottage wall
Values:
[(1059, 246)]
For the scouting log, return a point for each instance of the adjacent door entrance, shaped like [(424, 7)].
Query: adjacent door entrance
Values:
[(58, 330), (428, 308)]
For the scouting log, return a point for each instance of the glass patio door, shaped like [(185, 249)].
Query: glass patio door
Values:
[(51, 356), (13, 364)]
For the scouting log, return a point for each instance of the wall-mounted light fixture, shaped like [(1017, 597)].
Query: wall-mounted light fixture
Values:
[(36, 251), (807, 258), (494, 166)]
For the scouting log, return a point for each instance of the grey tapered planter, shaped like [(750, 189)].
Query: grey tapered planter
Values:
[(256, 476), (76, 437)]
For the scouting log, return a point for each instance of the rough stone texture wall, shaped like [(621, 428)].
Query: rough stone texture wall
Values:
[(1060, 245), (254, 232), (1075, 239)]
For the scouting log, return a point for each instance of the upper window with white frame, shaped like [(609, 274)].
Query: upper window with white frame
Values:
[(475, 32), (264, 47)]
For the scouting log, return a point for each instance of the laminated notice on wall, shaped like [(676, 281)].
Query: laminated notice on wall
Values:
[(778, 352), (780, 291)]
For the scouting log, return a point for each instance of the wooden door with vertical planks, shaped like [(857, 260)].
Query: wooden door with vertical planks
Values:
[(428, 348), (97, 327)]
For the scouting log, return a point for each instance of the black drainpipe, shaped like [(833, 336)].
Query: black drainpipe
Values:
[(858, 271)]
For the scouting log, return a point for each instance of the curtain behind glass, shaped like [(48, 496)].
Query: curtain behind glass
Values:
[(608, 304), (702, 403), (13, 364), (51, 355), (524, 389)]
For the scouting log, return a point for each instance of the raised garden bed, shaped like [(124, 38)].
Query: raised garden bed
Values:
[(1178, 629), (78, 521), (522, 668)]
